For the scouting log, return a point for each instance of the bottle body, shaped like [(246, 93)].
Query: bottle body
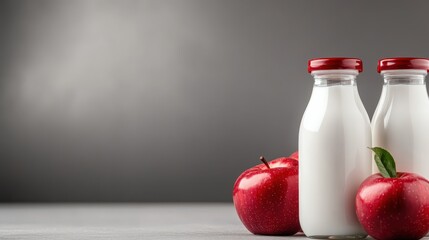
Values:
[(401, 121), (334, 158)]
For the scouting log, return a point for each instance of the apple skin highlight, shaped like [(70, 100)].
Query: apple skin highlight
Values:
[(295, 155)]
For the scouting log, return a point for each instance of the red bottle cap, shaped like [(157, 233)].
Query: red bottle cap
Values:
[(402, 63), (334, 63)]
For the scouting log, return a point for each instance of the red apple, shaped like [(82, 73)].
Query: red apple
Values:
[(295, 155), (266, 197), (392, 205)]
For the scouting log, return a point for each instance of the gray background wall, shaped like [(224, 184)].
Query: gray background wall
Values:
[(170, 100)]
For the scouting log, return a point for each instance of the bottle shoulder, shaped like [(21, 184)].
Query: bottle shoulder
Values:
[(338, 100), (342, 108), (401, 104)]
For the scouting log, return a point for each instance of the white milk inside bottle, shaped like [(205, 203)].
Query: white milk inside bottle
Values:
[(401, 121), (334, 138)]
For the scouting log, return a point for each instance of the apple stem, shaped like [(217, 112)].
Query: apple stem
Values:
[(264, 161)]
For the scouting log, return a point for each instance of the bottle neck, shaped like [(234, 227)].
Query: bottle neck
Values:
[(340, 77), (404, 77)]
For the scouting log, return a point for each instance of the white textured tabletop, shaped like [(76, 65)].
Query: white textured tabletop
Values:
[(123, 221)]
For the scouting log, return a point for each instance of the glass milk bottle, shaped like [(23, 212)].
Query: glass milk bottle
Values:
[(401, 121), (334, 159)]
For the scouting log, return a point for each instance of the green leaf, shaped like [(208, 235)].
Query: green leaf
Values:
[(385, 162)]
